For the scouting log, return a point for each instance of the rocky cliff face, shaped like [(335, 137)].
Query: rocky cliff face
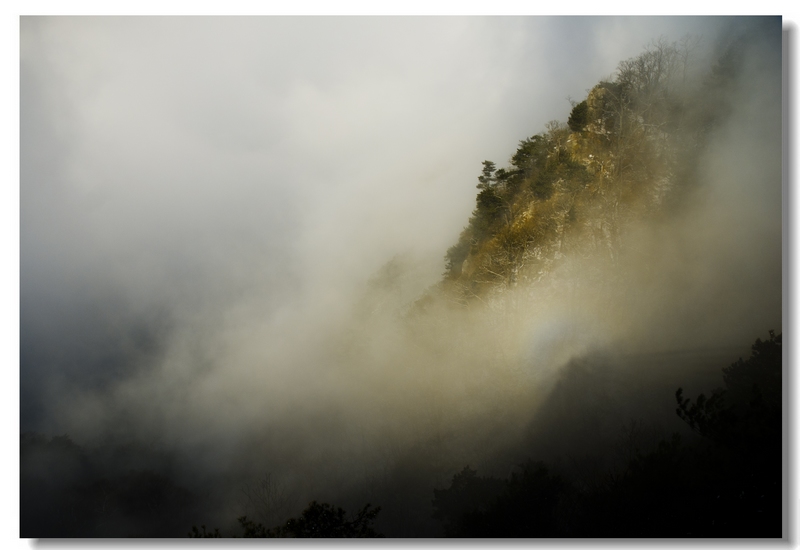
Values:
[(573, 192)]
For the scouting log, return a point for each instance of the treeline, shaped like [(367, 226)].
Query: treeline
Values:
[(725, 482), (728, 483), (113, 491), (319, 520)]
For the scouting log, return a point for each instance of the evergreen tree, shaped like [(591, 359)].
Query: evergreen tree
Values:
[(487, 178)]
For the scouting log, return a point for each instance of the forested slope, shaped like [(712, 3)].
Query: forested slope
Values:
[(628, 152)]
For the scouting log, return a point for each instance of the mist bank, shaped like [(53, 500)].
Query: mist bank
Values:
[(193, 170), (295, 357)]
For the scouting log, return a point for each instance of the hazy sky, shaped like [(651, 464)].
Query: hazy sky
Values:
[(178, 171), (250, 136), (157, 148)]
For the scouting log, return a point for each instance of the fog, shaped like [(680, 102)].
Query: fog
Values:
[(226, 222)]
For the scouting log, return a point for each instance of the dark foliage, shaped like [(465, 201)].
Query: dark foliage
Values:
[(523, 506), (326, 521), (529, 152), (487, 177), (455, 257), (725, 484), (579, 117), (747, 413), (744, 422), (527, 508), (466, 494), (202, 533), (66, 491), (319, 520)]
